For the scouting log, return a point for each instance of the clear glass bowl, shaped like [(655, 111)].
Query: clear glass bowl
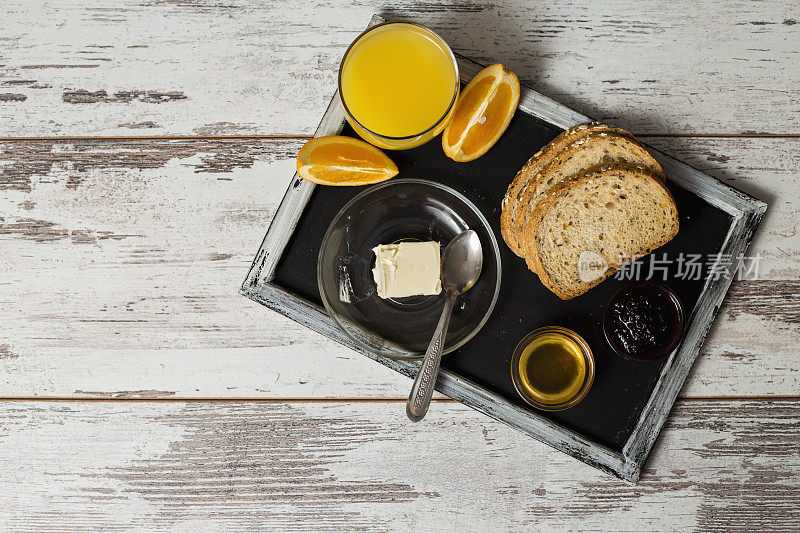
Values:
[(670, 299), (395, 211), (569, 335)]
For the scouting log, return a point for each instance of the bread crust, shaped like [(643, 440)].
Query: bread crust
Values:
[(533, 194), (630, 172), (509, 205)]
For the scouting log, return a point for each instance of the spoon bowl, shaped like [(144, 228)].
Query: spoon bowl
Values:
[(462, 262)]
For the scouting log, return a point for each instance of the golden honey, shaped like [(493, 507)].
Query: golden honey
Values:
[(553, 368)]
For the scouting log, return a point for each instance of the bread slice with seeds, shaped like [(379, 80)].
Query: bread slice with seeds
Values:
[(617, 213), (581, 156), (534, 166)]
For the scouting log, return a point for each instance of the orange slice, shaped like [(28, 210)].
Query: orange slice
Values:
[(339, 160), (483, 112)]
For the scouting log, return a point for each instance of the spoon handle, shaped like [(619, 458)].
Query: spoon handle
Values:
[(421, 392)]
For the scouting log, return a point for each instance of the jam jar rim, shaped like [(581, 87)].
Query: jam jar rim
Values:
[(662, 289)]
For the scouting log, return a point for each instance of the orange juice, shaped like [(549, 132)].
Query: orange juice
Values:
[(398, 84)]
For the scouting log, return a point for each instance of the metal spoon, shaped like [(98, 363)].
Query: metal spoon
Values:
[(462, 262)]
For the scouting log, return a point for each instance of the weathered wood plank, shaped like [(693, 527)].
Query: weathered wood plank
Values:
[(68, 466), (130, 67), (121, 261)]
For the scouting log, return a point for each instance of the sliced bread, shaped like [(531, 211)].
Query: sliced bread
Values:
[(534, 165), (581, 156), (615, 214)]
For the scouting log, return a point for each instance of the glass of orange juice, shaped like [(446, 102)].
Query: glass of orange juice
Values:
[(398, 85)]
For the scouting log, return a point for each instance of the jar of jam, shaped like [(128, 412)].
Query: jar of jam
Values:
[(644, 321)]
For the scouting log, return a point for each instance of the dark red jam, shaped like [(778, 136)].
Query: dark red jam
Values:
[(643, 321)]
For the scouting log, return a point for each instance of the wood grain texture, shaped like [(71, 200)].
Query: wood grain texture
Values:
[(208, 67), (719, 466), (121, 261)]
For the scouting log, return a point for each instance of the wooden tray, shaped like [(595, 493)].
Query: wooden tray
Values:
[(615, 426)]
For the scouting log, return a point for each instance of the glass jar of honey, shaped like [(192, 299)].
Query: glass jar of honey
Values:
[(552, 368)]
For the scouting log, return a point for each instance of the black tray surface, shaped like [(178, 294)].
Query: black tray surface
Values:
[(608, 414)]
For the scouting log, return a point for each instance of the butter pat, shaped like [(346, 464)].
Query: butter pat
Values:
[(407, 269)]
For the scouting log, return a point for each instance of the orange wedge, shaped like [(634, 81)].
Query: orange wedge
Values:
[(483, 112), (339, 160)]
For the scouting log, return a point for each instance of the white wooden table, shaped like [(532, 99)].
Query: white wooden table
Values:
[(144, 146)]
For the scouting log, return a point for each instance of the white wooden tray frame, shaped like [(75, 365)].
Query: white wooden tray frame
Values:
[(745, 210)]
